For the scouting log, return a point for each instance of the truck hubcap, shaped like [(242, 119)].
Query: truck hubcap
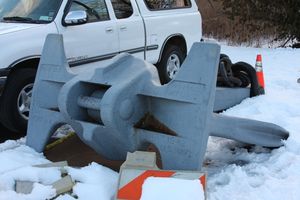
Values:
[(173, 65), (24, 100)]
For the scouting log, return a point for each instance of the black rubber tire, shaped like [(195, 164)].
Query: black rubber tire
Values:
[(225, 58), (225, 76), (296, 45), (243, 77), (10, 116), (162, 65), (246, 69)]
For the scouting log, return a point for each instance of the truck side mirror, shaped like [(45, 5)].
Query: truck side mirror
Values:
[(75, 18)]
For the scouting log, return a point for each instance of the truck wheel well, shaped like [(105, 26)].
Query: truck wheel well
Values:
[(30, 63), (177, 40)]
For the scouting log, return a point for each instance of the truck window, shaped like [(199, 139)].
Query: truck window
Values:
[(35, 11), (122, 8), (167, 4), (95, 9)]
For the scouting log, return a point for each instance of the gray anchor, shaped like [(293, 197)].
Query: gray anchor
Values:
[(122, 107)]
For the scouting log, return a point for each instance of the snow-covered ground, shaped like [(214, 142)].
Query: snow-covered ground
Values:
[(235, 171), (258, 173)]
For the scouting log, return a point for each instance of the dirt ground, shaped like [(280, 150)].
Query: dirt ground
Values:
[(78, 154)]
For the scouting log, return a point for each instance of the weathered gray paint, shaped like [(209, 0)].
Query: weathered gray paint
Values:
[(103, 106)]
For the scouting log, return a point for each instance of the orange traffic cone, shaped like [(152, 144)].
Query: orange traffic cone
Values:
[(260, 73)]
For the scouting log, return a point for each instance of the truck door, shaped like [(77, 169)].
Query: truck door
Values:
[(95, 40), (130, 27)]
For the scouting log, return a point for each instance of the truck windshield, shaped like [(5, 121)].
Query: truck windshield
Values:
[(29, 11)]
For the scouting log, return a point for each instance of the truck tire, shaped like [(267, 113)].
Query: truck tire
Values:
[(16, 98), (171, 61)]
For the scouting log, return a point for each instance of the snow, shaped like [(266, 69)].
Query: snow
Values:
[(172, 188), (235, 170), (94, 180), (17, 164), (39, 192)]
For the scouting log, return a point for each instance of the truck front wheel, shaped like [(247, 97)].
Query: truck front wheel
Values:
[(15, 104), (170, 63)]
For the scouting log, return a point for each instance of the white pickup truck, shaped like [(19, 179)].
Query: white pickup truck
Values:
[(159, 31)]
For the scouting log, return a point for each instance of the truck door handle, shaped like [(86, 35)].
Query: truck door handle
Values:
[(123, 28), (109, 29)]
